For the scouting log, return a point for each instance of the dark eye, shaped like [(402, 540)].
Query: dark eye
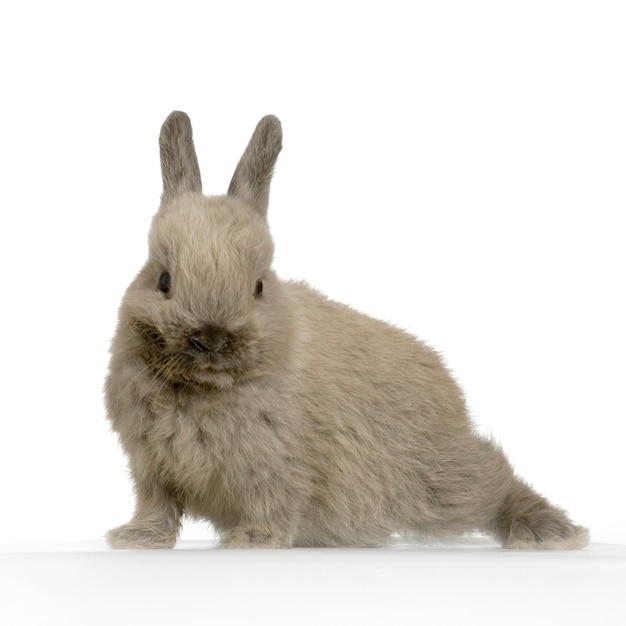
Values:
[(258, 290), (165, 282)]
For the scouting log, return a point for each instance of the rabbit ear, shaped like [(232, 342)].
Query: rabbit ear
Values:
[(251, 180), (179, 164)]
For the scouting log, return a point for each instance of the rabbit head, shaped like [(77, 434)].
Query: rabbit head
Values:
[(206, 307)]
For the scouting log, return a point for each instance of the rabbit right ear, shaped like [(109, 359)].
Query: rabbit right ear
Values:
[(251, 180), (179, 164)]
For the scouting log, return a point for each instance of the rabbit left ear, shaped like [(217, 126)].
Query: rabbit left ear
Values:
[(179, 164), (252, 177)]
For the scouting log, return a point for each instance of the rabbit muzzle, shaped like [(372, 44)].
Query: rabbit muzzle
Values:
[(208, 355)]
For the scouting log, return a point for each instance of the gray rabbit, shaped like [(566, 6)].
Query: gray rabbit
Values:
[(284, 418)]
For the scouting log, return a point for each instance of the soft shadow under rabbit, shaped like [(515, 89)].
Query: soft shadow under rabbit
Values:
[(283, 418)]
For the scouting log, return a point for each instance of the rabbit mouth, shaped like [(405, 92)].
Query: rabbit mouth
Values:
[(207, 367), (191, 371), (209, 376)]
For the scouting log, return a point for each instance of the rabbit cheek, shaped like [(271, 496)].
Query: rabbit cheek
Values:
[(151, 344)]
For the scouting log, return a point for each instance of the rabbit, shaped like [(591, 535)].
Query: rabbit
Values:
[(283, 418)]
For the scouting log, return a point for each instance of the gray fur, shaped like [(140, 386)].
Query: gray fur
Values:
[(284, 418)]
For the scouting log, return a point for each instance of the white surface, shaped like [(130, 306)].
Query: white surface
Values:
[(79, 584), (455, 167)]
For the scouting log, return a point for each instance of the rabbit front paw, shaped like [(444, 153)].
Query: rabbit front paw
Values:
[(139, 537), (252, 538)]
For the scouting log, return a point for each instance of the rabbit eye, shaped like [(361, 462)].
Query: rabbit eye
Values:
[(165, 282), (258, 290)]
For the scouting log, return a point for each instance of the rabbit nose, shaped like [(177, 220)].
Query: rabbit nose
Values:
[(210, 339)]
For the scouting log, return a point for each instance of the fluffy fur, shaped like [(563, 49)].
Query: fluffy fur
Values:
[(283, 418)]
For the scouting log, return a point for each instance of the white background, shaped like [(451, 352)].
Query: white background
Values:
[(457, 168)]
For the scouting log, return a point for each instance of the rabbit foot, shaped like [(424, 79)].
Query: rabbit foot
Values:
[(527, 521), (546, 534), (252, 538), (136, 537)]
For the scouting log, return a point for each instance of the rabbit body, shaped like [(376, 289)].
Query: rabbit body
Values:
[(284, 418)]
